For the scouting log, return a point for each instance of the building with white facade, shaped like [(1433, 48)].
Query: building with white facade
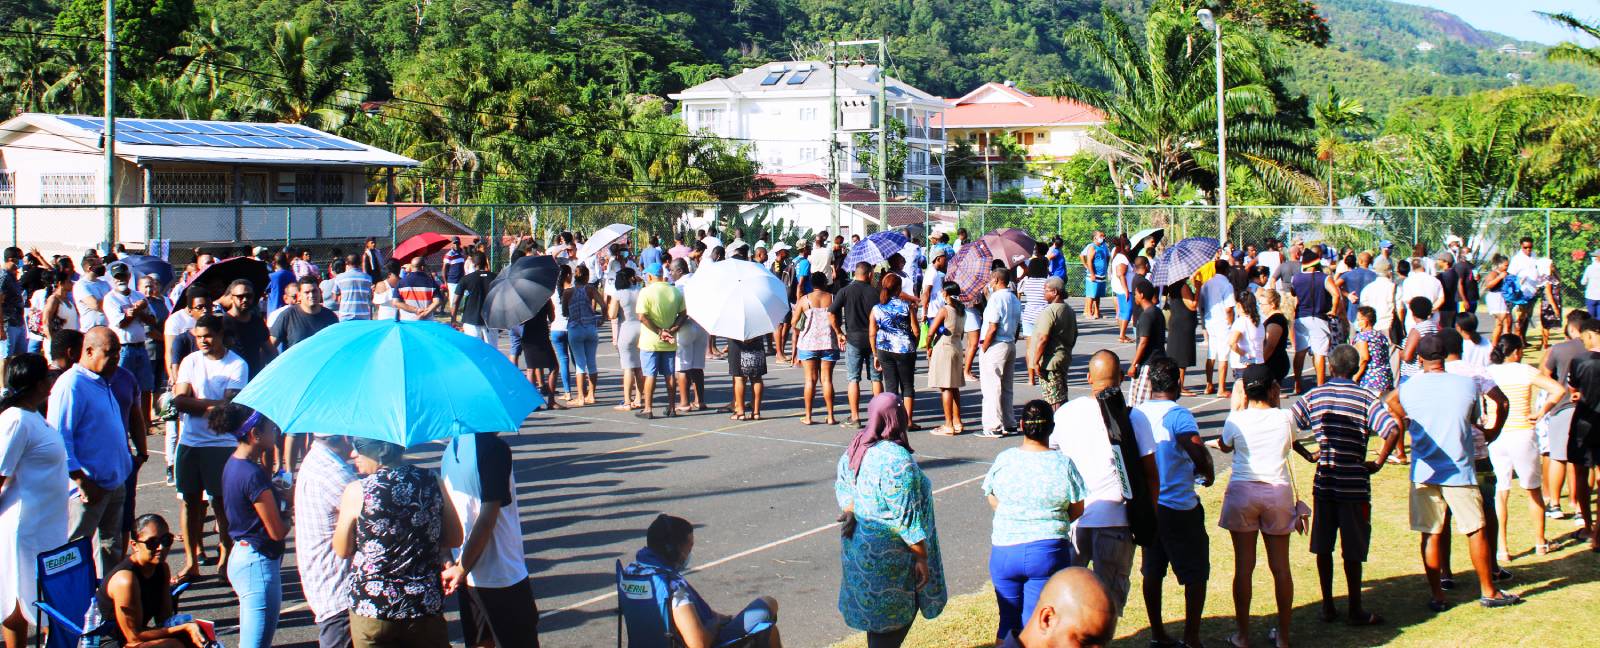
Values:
[(781, 109), (1050, 129)]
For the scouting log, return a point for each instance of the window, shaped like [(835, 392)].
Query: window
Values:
[(307, 191), (808, 114), (8, 187), (708, 118), (189, 187), (800, 75), (67, 188), (808, 154), (774, 73), (1042, 137)]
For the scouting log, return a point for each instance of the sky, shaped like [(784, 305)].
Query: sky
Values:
[(1515, 18)]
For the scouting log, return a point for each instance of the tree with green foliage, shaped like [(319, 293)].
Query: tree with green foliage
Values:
[(304, 80), (1338, 118), (146, 29)]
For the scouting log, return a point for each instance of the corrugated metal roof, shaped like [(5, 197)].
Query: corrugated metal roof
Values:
[(187, 140)]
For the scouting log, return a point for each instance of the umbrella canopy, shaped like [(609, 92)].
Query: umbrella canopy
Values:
[(680, 252), (874, 249), (603, 239), (1154, 233), (144, 264), (1010, 244), (216, 277), (520, 292), (420, 245), (970, 269), (403, 382), (1183, 259), (736, 299)]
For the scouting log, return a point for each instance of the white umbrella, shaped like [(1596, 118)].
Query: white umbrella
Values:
[(603, 239), (735, 299)]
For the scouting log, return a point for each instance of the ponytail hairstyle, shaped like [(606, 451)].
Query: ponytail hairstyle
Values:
[(24, 373), (1507, 345), (952, 297), (233, 419), (888, 288), (1247, 305), (1467, 323), (624, 279)]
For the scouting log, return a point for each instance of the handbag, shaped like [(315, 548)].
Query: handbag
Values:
[(1302, 512)]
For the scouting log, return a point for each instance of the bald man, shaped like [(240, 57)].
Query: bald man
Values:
[(85, 409), (1101, 537), (1073, 611)]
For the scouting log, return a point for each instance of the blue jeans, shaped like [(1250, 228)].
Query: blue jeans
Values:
[(16, 342), (516, 344), (1019, 573), (584, 339), (558, 340), (136, 360), (257, 582), (1593, 306)]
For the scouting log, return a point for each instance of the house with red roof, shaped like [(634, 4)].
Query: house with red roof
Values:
[(806, 201), (1052, 129)]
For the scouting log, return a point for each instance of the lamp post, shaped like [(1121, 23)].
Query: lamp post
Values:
[(1210, 23)]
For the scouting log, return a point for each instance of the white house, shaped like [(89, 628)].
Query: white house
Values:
[(804, 201), (781, 109), (189, 182)]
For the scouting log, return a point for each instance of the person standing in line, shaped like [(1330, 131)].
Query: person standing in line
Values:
[(1354, 281), (582, 307), (996, 365), (1450, 283), (279, 279), (1375, 372), (1182, 303), (1556, 364), (84, 408), (1316, 304), (255, 523), (945, 370), (1174, 461), (1247, 339), (1216, 305), (352, 289), (1515, 453), (324, 575), (691, 356), (488, 572), (539, 354), (623, 311), (34, 491), (303, 319), (371, 262), (661, 315), (892, 568), (931, 296), (1342, 416), (206, 378), (1436, 409), (416, 295), (1121, 277), (1151, 345), (467, 303), (850, 315), (1494, 285), (1055, 334), (1419, 283), (89, 292), (131, 319), (893, 335), (1422, 327), (1035, 494), (1591, 285), (393, 526), (302, 265), (452, 268), (816, 346), (245, 327), (1030, 290), (13, 300), (1583, 437)]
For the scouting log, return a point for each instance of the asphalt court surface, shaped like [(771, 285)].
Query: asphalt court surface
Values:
[(760, 494)]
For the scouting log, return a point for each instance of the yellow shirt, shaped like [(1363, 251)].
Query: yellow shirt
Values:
[(659, 304)]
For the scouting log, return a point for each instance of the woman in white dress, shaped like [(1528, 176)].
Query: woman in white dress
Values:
[(33, 491), (625, 329)]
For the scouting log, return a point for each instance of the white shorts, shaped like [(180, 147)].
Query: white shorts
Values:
[(1496, 303), (1311, 334), (1515, 452), (488, 335), (1217, 343)]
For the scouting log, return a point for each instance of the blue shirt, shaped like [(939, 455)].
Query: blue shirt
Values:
[(83, 407), (1034, 489), (650, 255), (1354, 281), (1005, 311), (1439, 407), (802, 273), (243, 482), (275, 283), (1159, 425), (1058, 262)]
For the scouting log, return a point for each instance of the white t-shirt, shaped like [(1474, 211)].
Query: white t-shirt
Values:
[(1216, 298), (822, 261), (115, 306), (1269, 259), (1379, 294), (86, 292), (211, 379), (933, 282), (1117, 284), (1476, 355), (1260, 440), (178, 323), (467, 468), (1081, 436), (1419, 284), (1253, 340)]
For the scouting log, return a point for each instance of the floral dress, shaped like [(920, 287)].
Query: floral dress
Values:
[(1377, 376), (893, 503), (394, 574)]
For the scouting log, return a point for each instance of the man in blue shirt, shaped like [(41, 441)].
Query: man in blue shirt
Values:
[(652, 255), (1173, 456), (996, 365), (454, 268), (1354, 280), (1437, 410), (84, 409)]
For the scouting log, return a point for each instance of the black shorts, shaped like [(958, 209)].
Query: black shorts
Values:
[(1350, 522), (200, 470), (508, 614), (1182, 543), (899, 372)]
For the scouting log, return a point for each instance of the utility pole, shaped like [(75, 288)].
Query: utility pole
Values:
[(833, 133), (110, 130), (883, 133)]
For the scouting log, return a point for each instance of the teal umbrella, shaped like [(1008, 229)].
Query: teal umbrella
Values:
[(403, 382)]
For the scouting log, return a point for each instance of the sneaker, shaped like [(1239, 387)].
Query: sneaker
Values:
[(172, 480), (1555, 513), (1447, 583), (1502, 575), (1502, 599), (991, 434)]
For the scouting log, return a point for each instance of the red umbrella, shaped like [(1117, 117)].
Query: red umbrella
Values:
[(422, 244), (1010, 245)]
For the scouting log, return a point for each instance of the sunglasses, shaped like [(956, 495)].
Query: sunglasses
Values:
[(244, 296), (157, 543)]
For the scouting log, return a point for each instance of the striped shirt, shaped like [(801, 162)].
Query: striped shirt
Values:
[(1343, 415), (352, 295), (417, 290)]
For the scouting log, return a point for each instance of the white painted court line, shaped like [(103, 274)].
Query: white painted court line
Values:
[(748, 552)]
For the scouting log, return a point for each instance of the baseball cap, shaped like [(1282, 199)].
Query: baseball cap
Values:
[(1431, 348), (938, 251), (761, 245), (780, 246), (1257, 376), (118, 268), (654, 270), (1385, 244)]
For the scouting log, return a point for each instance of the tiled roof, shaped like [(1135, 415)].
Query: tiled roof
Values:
[(1019, 109)]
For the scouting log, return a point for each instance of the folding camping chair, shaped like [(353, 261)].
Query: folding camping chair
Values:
[(68, 588), (644, 605)]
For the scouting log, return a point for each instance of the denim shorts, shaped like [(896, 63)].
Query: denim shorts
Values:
[(856, 359), (659, 363), (825, 355)]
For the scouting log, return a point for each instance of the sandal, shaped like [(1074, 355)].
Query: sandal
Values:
[(1541, 548), (944, 430), (1500, 599), (1368, 619), (806, 420)]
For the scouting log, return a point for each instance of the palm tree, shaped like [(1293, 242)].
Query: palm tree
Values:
[(1571, 52), (208, 54), (304, 79), (1337, 116), (26, 66), (1161, 108), (75, 86)]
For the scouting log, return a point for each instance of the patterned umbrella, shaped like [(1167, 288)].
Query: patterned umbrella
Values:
[(1183, 259), (875, 249), (970, 269), (1011, 244)]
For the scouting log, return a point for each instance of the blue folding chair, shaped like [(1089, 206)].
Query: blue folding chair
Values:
[(67, 585), (644, 605)]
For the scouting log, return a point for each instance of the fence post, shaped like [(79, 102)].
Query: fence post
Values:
[(1416, 217), (158, 223), (635, 235), (569, 218), (288, 226), (1547, 232), (494, 241), (14, 227)]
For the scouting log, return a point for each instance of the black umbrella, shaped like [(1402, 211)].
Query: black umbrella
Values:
[(520, 292), (217, 276)]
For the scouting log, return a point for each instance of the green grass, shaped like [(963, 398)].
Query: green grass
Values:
[(1561, 589)]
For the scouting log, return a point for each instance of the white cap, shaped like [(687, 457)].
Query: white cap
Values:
[(780, 246)]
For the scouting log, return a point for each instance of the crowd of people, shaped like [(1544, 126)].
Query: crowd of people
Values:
[(1395, 347)]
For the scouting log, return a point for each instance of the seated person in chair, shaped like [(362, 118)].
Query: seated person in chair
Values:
[(134, 598), (669, 541)]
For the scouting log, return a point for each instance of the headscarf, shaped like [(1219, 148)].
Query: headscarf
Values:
[(886, 421)]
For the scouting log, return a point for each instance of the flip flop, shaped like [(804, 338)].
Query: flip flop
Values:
[(1371, 619)]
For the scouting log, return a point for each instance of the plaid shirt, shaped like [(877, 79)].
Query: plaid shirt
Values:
[(324, 576), (352, 296)]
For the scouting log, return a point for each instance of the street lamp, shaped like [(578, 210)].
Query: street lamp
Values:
[(1209, 21)]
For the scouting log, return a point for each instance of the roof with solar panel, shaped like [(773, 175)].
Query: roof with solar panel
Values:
[(807, 79), (142, 140)]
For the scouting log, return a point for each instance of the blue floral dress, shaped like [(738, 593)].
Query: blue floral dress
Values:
[(1377, 376), (893, 503), (894, 326)]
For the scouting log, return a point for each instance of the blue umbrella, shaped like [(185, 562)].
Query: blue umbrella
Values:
[(875, 249), (403, 382), (1183, 259), (144, 264)]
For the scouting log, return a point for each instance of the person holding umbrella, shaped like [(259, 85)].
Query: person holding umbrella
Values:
[(894, 341)]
